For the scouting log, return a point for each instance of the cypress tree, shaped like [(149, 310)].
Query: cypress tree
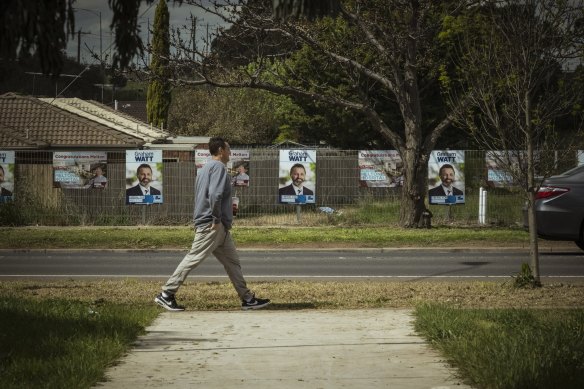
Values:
[(158, 100)]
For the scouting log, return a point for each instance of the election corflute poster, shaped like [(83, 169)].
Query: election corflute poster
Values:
[(202, 156), (238, 167), (297, 177), (6, 175), (144, 177), (446, 177), (380, 169), (499, 164), (79, 169)]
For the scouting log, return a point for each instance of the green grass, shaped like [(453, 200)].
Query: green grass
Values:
[(64, 334), (57, 343), (509, 348), (504, 208), (181, 237)]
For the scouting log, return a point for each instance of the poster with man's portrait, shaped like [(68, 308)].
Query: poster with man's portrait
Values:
[(238, 167), (297, 177), (80, 169), (446, 177), (144, 177), (380, 169), (6, 176)]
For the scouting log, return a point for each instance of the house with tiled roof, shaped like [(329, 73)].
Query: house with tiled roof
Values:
[(35, 129), (41, 123), (28, 122)]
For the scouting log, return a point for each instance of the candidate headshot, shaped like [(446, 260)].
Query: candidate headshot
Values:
[(241, 178), (298, 176), (99, 180), (447, 177), (3, 191), (144, 175)]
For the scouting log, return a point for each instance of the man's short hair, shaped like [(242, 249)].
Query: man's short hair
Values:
[(215, 143), (297, 165), (143, 166), (446, 166)]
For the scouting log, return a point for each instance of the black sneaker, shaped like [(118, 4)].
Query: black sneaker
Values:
[(254, 303), (168, 303)]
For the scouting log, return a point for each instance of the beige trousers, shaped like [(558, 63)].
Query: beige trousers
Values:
[(219, 243)]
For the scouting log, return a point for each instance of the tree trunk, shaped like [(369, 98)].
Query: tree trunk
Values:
[(414, 190), (533, 240), (531, 188)]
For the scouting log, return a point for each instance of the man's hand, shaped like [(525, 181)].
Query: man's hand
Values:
[(215, 226)]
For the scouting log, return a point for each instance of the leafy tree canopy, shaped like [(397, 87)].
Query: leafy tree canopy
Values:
[(242, 115), (159, 97)]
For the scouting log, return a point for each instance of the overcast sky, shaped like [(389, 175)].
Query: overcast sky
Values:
[(87, 16)]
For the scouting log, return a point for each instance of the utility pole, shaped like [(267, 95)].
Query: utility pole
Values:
[(79, 33), (207, 43), (96, 13), (79, 46), (101, 58), (194, 35), (100, 42)]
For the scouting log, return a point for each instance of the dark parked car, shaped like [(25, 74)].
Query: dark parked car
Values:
[(559, 207)]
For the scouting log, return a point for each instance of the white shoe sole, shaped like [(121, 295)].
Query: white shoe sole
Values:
[(163, 305), (248, 307)]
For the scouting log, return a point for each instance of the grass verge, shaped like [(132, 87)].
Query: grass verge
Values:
[(61, 334), (59, 343), (181, 237), (509, 348)]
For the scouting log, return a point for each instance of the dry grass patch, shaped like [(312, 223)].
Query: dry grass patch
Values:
[(309, 295)]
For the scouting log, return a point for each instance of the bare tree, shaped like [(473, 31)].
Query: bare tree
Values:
[(383, 51), (514, 62)]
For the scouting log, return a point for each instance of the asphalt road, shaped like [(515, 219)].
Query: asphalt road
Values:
[(393, 264)]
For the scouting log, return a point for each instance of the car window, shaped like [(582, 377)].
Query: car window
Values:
[(573, 171)]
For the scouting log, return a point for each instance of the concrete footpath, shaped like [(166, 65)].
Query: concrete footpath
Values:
[(374, 348)]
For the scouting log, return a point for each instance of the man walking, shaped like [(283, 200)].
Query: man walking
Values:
[(213, 218)]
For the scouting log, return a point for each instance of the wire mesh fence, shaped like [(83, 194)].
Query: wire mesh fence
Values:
[(340, 196)]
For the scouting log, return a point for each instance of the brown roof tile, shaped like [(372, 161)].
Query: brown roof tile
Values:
[(26, 121)]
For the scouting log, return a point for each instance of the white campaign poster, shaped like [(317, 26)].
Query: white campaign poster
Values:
[(380, 169), (238, 167), (498, 165), (446, 177), (202, 156), (297, 177), (580, 157), (144, 177), (80, 169), (6, 175)]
